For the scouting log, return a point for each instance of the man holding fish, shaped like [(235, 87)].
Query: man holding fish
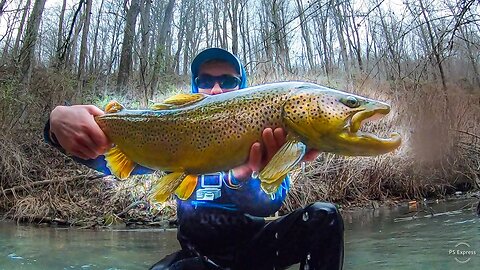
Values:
[(221, 218)]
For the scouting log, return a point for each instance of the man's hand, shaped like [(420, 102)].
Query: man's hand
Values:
[(262, 153), (77, 132)]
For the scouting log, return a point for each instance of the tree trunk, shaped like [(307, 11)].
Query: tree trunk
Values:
[(232, 7), (60, 38), (2, 6), (26, 9), (436, 51), (339, 26), (184, 8), (127, 46), (242, 26), (471, 57), (144, 46), (10, 29), (82, 59), (94, 63), (113, 47), (216, 24), (305, 34), (160, 60), (224, 28), (65, 53), (26, 57)]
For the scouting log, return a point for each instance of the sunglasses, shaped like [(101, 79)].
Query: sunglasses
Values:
[(225, 81)]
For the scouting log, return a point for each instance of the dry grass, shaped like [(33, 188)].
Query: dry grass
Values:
[(40, 184), (440, 153)]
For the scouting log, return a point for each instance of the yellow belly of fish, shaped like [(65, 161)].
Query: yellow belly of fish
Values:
[(215, 145)]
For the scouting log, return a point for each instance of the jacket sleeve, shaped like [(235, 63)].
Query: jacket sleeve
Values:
[(99, 164), (251, 199)]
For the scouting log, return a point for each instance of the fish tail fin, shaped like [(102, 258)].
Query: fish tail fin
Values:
[(118, 163)]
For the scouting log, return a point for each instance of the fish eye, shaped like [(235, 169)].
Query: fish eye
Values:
[(350, 101)]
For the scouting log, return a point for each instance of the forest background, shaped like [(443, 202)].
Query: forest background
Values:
[(420, 56)]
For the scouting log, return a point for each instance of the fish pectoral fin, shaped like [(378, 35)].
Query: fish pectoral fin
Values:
[(186, 188), (118, 163), (165, 186), (282, 162), (271, 188)]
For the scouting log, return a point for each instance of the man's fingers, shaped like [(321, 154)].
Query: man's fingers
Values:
[(280, 136), (269, 142), (255, 159), (81, 155), (86, 145), (93, 110), (100, 140)]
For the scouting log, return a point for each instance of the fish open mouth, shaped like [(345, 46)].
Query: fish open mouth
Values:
[(356, 121)]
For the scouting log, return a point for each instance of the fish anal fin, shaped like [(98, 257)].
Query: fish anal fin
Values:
[(289, 155), (118, 163), (165, 186), (113, 107), (186, 188)]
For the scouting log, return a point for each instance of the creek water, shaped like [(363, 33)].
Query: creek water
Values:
[(436, 235)]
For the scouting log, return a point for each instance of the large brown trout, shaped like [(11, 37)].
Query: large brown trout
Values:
[(191, 134)]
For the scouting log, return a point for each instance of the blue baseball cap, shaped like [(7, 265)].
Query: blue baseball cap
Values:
[(216, 54)]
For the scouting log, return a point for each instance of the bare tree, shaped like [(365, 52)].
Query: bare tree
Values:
[(60, 38), (435, 46), (94, 57), (305, 34), (2, 6), (82, 59), (185, 8), (26, 9), (232, 8), (145, 31), (127, 45), (26, 56), (160, 59)]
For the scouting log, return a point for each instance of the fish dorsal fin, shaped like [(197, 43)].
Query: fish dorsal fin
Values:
[(160, 106), (165, 186), (118, 163), (184, 99), (289, 155), (186, 188), (113, 107), (177, 101)]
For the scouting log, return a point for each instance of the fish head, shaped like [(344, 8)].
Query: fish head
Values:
[(330, 121)]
